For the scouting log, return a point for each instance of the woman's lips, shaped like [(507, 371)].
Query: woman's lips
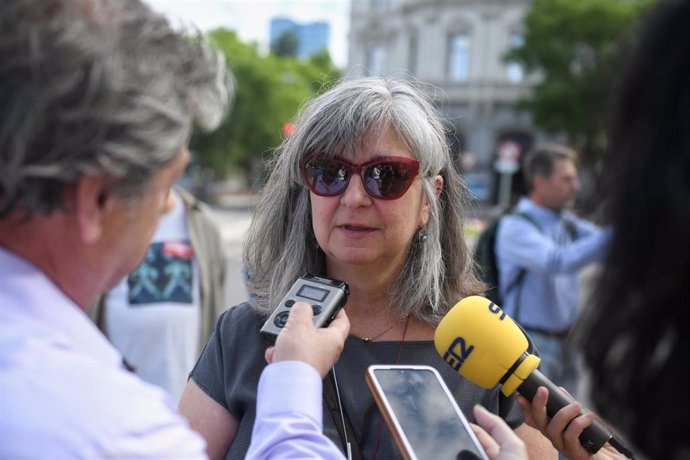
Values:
[(356, 230)]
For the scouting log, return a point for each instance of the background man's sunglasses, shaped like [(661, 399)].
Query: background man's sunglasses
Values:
[(385, 178)]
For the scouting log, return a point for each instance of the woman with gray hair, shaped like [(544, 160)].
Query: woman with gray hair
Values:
[(363, 191)]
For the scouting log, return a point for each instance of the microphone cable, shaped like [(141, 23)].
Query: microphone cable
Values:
[(348, 446)]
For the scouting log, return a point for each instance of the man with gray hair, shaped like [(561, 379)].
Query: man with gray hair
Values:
[(97, 102), (540, 248)]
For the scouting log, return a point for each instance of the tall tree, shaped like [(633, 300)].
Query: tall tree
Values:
[(268, 92), (575, 49)]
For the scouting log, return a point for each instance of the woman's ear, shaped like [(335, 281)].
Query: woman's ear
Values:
[(426, 209), (438, 182)]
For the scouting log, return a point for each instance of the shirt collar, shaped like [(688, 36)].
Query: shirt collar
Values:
[(541, 213), (30, 299)]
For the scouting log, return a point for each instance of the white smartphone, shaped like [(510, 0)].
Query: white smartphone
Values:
[(421, 414)]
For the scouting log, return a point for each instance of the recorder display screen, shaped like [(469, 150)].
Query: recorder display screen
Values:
[(426, 416), (313, 293)]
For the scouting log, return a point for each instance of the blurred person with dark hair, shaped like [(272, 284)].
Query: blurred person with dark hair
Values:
[(633, 334), (98, 99)]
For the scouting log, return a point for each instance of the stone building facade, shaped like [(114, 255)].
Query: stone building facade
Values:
[(457, 46)]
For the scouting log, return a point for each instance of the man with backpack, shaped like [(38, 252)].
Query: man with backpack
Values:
[(540, 249)]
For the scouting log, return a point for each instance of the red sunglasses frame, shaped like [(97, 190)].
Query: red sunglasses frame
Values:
[(410, 164)]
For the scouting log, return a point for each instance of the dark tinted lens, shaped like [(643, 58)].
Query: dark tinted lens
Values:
[(387, 180), (326, 176)]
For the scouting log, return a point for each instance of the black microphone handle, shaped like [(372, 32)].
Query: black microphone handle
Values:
[(592, 437)]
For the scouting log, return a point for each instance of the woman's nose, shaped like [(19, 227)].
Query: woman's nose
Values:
[(355, 194)]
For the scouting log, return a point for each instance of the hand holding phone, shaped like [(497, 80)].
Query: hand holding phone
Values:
[(421, 414), (498, 439)]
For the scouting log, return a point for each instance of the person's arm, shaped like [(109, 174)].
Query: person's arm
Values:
[(519, 242), (208, 418), (289, 415), (564, 429), (583, 227)]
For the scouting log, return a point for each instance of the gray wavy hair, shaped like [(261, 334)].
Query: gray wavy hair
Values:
[(280, 245), (97, 87)]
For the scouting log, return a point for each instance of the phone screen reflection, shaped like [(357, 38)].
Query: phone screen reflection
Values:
[(429, 422)]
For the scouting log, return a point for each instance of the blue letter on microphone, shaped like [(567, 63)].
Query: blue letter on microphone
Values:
[(493, 308), (457, 353)]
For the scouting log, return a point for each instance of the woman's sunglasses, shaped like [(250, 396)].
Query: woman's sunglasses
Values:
[(385, 178)]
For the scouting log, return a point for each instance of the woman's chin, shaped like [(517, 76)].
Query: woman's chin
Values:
[(359, 258)]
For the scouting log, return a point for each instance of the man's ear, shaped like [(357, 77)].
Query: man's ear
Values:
[(538, 183), (92, 200)]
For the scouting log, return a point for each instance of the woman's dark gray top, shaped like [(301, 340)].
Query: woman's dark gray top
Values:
[(231, 363)]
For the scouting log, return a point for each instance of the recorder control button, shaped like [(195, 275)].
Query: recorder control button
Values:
[(316, 309), (289, 303), (281, 318)]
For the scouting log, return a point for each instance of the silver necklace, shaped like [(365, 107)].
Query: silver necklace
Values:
[(369, 339)]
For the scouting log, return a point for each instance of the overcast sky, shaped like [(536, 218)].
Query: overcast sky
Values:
[(251, 18)]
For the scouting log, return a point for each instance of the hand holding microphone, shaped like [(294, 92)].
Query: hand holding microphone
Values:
[(484, 345), (564, 428)]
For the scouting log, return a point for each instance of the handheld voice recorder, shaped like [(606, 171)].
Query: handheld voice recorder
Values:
[(326, 296)]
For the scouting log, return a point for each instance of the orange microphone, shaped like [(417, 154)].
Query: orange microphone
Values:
[(484, 345)]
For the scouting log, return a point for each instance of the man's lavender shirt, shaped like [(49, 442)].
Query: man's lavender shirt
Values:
[(289, 416), (63, 390)]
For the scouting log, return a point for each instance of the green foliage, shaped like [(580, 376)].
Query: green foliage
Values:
[(268, 92), (576, 48)]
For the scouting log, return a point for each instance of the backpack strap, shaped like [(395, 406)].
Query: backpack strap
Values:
[(570, 227), (527, 216), (517, 281)]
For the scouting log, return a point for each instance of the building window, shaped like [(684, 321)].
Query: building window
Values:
[(376, 60), (515, 71), (458, 57)]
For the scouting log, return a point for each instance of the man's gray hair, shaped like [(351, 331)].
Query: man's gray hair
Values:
[(93, 87), (280, 245)]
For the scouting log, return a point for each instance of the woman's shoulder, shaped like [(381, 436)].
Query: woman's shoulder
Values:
[(239, 318), (236, 340), (241, 312)]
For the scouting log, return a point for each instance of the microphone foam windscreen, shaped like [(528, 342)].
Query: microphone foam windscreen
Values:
[(478, 340)]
